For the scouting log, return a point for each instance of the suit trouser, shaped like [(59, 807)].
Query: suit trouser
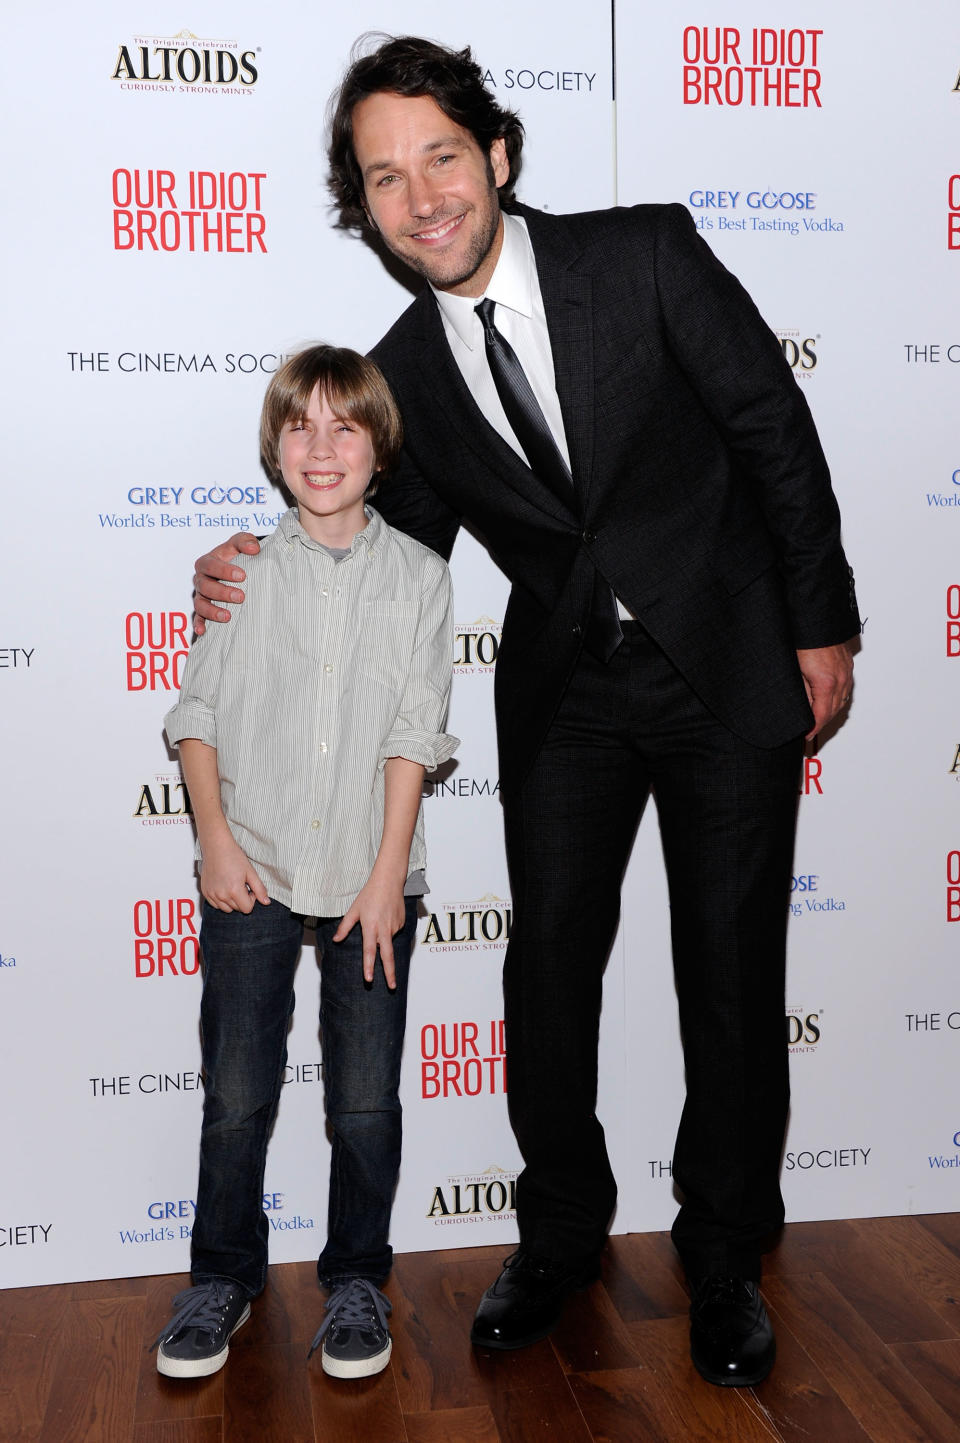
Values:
[(727, 813)]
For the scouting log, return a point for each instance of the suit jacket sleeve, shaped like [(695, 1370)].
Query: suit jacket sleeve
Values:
[(735, 364)]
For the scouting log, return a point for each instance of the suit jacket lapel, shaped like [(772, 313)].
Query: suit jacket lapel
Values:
[(443, 380), (567, 298)]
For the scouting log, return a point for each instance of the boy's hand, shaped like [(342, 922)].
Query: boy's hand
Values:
[(228, 880), (380, 910), (215, 568)]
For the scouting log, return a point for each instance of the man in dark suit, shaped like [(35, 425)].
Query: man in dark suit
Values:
[(620, 426)]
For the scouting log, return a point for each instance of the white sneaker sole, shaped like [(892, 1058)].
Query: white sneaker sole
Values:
[(357, 1367), (198, 1367)]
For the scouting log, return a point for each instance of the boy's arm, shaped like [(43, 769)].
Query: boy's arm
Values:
[(379, 905), (228, 880)]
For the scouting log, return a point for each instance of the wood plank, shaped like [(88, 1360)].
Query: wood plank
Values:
[(937, 1367), (434, 1297), (357, 1410), (109, 1288), (798, 1400), (186, 1430), (621, 1406), (945, 1226), (873, 1280), (266, 1396), (34, 1310), (290, 1309), (539, 1415), (875, 1386), (921, 1261), (591, 1335), (644, 1277), (27, 1365), (685, 1406), (94, 1385), (452, 1425)]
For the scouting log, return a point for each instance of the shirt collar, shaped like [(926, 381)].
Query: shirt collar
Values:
[(290, 529), (511, 285)]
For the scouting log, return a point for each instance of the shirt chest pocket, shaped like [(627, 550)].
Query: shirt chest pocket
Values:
[(387, 636)]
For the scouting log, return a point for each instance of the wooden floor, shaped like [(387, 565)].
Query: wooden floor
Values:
[(867, 1316)]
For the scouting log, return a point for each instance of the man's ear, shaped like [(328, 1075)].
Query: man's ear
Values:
[(499, 163)]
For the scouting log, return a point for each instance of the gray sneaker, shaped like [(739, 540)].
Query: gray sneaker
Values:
[(356, 1339), (196, 1340)]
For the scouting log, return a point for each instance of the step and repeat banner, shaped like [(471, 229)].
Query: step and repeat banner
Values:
[(168, 240)]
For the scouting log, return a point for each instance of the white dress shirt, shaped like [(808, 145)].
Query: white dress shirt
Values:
[(522, 320)]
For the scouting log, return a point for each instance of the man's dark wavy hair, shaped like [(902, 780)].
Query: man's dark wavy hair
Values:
[(407, 65)]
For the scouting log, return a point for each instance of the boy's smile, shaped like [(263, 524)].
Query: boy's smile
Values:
[(327, 462)]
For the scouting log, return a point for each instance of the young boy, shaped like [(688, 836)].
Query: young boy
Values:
[(305, 728)]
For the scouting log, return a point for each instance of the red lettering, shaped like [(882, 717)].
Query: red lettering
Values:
[(189, 956), (256, 226), (166, 952), (692, 94), (812, 768), (136, 671), (953, 904), (123, 230)]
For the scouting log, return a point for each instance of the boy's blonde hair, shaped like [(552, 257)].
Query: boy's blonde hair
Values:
[(353, 387)]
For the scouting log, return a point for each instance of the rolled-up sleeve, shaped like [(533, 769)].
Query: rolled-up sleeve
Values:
[(195, 713), (418, 731)]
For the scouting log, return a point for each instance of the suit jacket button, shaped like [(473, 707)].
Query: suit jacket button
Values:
[(589, 537), (578, 631)]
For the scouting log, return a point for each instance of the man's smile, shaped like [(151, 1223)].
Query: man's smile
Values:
[(439, 231)]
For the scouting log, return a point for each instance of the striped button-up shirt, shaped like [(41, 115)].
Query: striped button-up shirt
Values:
[(327, 669)]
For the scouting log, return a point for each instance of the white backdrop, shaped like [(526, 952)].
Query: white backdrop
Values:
[(138, 348)]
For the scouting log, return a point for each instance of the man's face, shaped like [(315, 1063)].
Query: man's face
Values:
[(430, 190)]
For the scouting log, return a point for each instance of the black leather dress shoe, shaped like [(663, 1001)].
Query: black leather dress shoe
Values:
[(731, 1340), (526, 1301)]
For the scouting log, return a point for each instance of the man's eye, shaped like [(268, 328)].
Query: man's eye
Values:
[(385, 180)]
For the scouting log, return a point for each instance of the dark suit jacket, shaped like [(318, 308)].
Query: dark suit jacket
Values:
[(701, 490)]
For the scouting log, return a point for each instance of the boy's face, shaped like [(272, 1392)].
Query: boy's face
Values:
[(327, 462)]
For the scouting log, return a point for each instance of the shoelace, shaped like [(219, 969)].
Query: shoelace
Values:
[(201, 1306), (722, 1290), (355, 1304)]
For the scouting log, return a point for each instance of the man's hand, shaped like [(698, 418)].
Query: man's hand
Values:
[(380, 910), (215, 568), (228, 879), (828, 676)]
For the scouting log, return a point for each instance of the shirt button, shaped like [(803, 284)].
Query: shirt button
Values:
[(324, 591), (323, 746), (315, 825), (328, 667)]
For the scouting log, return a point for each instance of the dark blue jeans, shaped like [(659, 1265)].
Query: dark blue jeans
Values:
[(249, 962)]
